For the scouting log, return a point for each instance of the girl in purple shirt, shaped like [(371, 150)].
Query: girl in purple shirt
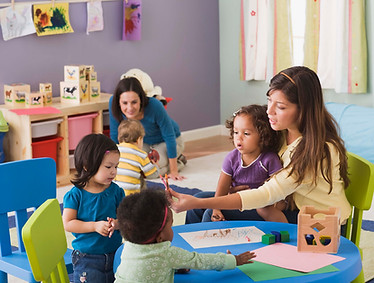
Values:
[(248, 166)]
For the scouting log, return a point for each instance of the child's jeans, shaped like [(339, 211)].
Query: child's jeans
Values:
[(91, 268)]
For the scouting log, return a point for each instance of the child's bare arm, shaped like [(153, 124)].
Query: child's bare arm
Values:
[(243, 258), (72, 224)]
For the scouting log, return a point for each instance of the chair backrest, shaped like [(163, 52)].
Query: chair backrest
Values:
[(45, 242), (24, 184), (359, 193)]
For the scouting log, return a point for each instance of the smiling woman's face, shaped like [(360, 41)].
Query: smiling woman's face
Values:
[(129, 102)]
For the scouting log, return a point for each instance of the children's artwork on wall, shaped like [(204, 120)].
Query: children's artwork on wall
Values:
[(16, 22), (132, 19), (52, 19), (95, 19)]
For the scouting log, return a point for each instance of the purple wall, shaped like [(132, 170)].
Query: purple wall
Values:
[(179, 50)]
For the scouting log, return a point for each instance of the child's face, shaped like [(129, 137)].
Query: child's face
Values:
[(246, 138), (108, 169), (167, 233), (139, 142)]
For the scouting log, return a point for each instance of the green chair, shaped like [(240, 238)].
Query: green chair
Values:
[(45, 243), (360, 195)]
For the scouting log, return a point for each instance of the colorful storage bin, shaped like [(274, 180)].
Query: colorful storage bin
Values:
[(79, 126), (45, 128), (45, 147)]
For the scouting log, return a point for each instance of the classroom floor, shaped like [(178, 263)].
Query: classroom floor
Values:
[(207, 146)]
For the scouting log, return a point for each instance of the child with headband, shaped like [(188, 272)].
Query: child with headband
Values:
[(147, 255)]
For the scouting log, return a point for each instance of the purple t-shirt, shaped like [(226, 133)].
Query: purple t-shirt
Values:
[(253, 175)]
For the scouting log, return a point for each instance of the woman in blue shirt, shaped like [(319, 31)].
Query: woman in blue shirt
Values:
[(161, 132)]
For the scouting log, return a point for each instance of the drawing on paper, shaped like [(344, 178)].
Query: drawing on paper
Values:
[(95, 19), (17, 22), (52, 19), (132, 20), (222, 237)]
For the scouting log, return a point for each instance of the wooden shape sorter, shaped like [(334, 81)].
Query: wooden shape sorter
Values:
[(318, 230)]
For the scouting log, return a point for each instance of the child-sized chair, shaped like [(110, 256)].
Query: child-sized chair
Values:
[(45, 243), (360, 195), (25, 185)]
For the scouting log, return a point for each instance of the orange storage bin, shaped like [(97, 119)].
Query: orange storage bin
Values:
[(45, 147), (79, 126)]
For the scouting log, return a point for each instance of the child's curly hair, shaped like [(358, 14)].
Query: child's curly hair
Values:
[(140, 215), (270, 140)]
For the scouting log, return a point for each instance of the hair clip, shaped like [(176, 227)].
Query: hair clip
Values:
[(235, 113)]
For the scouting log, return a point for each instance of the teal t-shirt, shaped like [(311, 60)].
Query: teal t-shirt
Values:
[(95, 207)]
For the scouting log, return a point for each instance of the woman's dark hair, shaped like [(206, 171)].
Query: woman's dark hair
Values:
[(88, 156), (270, 140), (312, 155), (140, 215), (124, 85)]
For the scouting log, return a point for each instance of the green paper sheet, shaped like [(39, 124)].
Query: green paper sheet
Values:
[(259, 271)]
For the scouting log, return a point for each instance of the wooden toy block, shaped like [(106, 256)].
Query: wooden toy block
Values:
[(74, 92), (92, 76), (74, 73), (94, 91), (277, 236), (318, 230), (268, 239), (14, 94), (47, 98), (34, 99), (45, 87), (285, 236)]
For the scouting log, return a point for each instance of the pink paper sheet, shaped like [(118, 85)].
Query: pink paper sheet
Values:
[(35, 111), (287, 256)]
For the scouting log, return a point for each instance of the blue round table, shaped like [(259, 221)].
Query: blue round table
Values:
[(349, 268)]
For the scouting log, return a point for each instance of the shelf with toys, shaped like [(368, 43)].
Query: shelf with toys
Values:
[(28, 123)]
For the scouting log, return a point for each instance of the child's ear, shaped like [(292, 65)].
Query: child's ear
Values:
[(160, 238)]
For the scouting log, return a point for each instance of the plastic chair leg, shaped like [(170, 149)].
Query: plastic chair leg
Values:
[(3, 277), (360, 278)]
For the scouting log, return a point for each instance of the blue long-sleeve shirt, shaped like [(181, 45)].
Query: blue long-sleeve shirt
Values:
[(158, 126)]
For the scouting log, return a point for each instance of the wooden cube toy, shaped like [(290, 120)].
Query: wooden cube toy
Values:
[(15, 94), (94, 91), (74, 73), (34, 99), (47, 98), (268, 239), (45, 87), (318, 230), (74, 92)]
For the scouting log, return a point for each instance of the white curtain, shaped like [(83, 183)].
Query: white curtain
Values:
[(265, 39)]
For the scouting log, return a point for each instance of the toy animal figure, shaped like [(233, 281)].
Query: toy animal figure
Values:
[(20, 96), (8, 94), (70, 73), (35, 100), (69, 91)]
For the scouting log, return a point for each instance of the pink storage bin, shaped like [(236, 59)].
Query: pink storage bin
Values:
[(79, 126)]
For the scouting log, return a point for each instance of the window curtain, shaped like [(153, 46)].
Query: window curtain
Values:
[(265, 38), (335, 44)]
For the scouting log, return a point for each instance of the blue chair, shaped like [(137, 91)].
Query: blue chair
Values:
[(25, 185)]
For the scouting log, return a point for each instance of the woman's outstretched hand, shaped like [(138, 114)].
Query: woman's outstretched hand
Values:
[(183, 203)]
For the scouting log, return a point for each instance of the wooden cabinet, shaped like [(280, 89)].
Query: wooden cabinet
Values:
[(17, 142)]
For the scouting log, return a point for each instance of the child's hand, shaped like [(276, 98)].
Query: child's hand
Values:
[(102, 227), (113, 225), (217, 215), (236, 189), (243, 258)]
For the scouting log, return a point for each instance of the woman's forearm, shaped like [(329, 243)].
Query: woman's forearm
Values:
[(231, 201)]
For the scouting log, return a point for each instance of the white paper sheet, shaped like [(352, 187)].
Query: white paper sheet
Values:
[(222, 237)]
